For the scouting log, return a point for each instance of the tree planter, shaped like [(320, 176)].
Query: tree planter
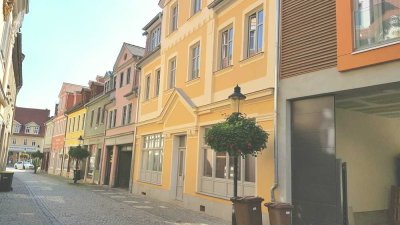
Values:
[(78, 153), (239, 136)]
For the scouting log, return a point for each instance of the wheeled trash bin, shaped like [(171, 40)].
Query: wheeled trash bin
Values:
[(6, 179), (279, 213), (247, 210)]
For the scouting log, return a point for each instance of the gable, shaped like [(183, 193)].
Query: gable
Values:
[(179, 114), (32, 124), (17, 123), (123, 56)]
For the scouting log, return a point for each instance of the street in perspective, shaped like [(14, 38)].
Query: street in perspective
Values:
[(200, 112)]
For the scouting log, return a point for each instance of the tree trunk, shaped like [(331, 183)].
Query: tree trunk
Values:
[(76, 164)]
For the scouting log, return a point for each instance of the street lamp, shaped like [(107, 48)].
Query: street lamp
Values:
[(236, 99), (80, 140)]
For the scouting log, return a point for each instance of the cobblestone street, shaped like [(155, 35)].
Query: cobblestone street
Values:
[(43, 199)]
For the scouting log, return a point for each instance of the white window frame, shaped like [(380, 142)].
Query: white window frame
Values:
[(155, 38), (174, 17), (259, 24), (147, 87), (207, 183), (194, 61), (25, 141), (14, 141), (196, 6), (27, 130), (36, 130), (17, 128), (34, 143), (129, 114), (157, 83), (172, 73), (226, 52), (150, 170)]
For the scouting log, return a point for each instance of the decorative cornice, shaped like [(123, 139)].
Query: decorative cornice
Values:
[(7, 8)]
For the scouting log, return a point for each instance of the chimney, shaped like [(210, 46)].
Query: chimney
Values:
[(56, 110)]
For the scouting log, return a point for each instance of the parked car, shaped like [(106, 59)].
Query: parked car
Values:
[(21, 165)]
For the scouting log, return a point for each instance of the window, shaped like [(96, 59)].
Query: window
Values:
[(174, 17), (196, 6), (218, 167), (157, 83), (25, 142), (36, 130), (98, 115), (114, 84), (83, 121), (27, 130), (147, 88), (155, 38), (195, 63), (115, 118), (226, 47), (121, 80), (172, 73), (136, 78), (124, 115), (255, 33), (376, 22), (106, 86), (33, 143), (73, 125), (103, 116), (129, 113), (14, 141), (128, 76), (78, 123), (110, 119), (17, 128), (91, 118), (152, 158)]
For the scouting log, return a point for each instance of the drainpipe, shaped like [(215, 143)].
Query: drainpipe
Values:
[(135, 130), (277, 63)]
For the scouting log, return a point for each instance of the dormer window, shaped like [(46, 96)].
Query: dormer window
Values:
[(155, 38), (27, 130), (17, 128), (36, 130)]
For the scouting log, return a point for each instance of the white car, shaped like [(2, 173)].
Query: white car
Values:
[(21, 165)]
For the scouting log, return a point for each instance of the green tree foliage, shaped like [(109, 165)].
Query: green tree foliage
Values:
[(238, 135), (37, 158), (78, 152)]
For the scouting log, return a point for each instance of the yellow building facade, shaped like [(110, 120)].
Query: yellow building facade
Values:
[(206, 48), (75, 129)]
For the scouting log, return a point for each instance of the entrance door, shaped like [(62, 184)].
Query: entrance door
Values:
[(124, 166), (315, 171), (108, 165), (181, 167)]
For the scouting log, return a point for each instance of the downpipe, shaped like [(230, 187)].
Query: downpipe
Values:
[(276, 92)]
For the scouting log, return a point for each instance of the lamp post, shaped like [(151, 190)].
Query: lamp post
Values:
[(80, 140), (236, 99)]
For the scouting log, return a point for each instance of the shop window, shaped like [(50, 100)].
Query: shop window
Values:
[(376, 22), (152, 158)]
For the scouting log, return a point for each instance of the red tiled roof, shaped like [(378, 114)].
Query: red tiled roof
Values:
[(27, 115)]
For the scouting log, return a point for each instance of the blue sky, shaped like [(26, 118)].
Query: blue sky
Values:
[(75, 40)]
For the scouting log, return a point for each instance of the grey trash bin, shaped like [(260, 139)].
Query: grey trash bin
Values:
[(6, 179)]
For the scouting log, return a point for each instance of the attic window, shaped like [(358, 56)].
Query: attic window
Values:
[(125, 56)]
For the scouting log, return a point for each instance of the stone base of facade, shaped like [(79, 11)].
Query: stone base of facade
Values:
[(212, 208)]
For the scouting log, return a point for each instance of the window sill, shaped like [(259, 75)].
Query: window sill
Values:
[(168, 91), (252, 58), (213, 195), (193, 14), (376, 47), (223, 70), (192, 81), (149, 182)]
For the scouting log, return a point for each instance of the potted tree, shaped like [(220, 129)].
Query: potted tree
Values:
[(78, 153), (239, 136), (36, 159)]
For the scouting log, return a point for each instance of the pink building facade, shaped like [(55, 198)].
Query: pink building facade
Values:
[(121, 116)]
